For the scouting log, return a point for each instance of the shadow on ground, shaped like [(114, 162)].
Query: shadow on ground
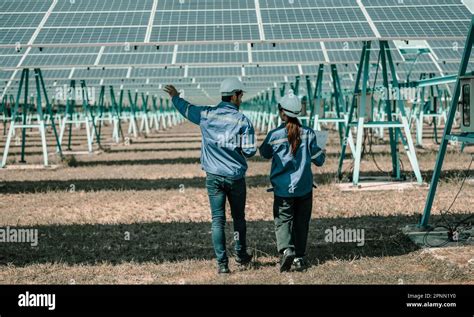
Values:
[(89, 185), (159, 242)]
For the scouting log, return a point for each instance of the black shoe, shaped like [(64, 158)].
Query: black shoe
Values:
[(300, 264), (223, 269), (246, 259), (287, 260)]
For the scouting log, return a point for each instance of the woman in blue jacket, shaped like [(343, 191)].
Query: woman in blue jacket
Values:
[(293, 148)]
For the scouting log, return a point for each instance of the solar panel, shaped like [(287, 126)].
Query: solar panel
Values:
[(25, 5), (137, 59), (202, 42), (448, 50), (58, 57), (310, 20), (55, 74), (59, 60), (212, 53), (11, 36), (109, 5), (419, 19), (288, 57), (204, 21), (453, 29), (98, 19), (5, 75), (425, 67), (90, 35), (296, 46), (287, 53), (204, 48), (100, 73), (388, 3), (214, 71), (313, 31), (271, 70), (204, 33), (450, 68), (204, 5), (14, 20), (266, 4), (65, 50), (9, 60), (206, 58), (157, 72)]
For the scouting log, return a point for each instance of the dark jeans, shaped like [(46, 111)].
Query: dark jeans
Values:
[(219, 188), (292, 217)]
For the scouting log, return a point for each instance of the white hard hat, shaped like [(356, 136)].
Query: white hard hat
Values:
[(290, 104), (230, 85)]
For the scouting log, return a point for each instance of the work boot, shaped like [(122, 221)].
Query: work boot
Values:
[(300, 264), (287, 260), (223, 268), (244, 260)]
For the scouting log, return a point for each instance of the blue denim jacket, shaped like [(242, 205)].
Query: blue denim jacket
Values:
[(228, 137), (291, 176)]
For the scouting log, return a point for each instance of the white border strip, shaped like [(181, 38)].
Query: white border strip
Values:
[(249, 52), (99, 56), (175, 55), (325, 52), (150, 22), (259, 20), (71, 74), (369, 19)]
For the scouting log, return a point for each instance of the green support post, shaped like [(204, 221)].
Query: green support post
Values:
[(447, 129), (87, 108), (396, 172), (318, 96), (282, 89), (101, 108), (337, 100), (296, 87), (70, 107), (117, 108), (24, 85), (24, 114), (49, 109)]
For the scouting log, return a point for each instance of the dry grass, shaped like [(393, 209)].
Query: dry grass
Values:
[(154, 190)]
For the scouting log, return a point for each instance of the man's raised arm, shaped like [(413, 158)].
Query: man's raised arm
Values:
[(189, 111)]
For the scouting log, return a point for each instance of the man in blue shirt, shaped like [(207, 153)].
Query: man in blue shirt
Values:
[(228, 139)]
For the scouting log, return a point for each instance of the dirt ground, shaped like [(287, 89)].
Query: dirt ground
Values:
[(138, 213)]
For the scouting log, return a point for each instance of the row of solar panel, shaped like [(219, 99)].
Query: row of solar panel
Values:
[(261, 58), (276, 32), (281, 20), (313, 15), (255, 74), (135, 5)]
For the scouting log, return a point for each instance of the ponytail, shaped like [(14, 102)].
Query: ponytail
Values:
[(293, 126)]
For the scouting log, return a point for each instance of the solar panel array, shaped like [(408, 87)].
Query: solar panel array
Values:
[(143, 44)]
